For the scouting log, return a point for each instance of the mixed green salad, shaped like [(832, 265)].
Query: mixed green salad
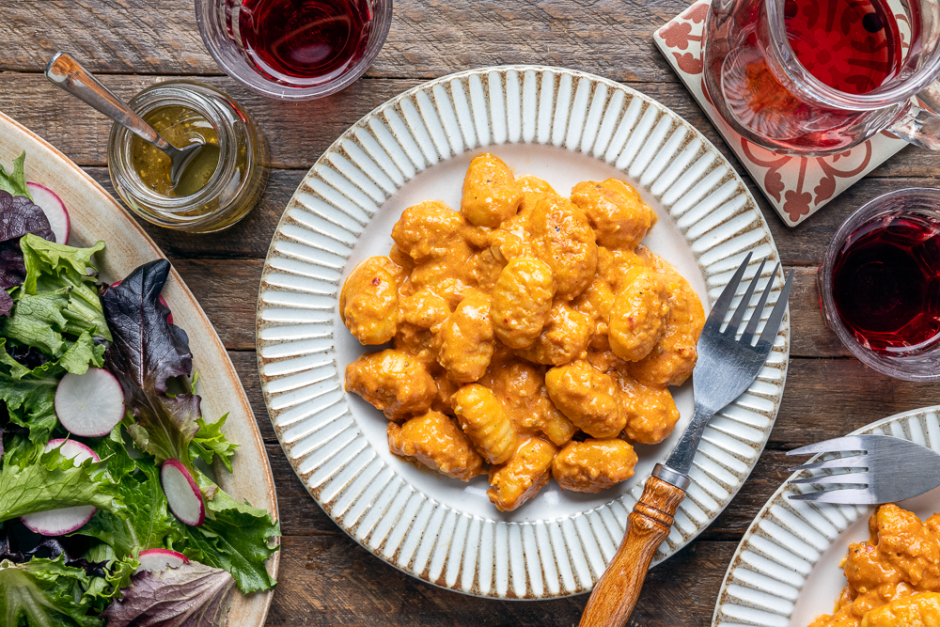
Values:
[(108, 514)]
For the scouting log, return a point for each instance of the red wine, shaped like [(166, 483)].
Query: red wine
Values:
[(886, 281), (850, 45), (304, 41)]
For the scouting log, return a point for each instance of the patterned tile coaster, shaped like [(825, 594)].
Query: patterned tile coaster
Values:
[(797, 187)]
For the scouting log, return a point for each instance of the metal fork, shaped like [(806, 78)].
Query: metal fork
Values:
[(727, 365), (880, 469)]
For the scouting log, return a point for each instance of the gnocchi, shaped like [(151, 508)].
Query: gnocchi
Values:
[(534, 335)]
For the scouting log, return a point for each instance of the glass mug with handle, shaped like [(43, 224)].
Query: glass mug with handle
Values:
[(816, 77)]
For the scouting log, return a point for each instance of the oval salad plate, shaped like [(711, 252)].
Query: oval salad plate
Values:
[(96, 216), (786, 570), (562, 126)]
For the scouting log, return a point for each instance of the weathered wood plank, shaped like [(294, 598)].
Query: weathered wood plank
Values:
[(426, 39), (222, 287), (299, 132), (330, 580)]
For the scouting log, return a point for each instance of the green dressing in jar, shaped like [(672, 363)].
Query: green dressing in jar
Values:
[(182, 127), (222, 183)]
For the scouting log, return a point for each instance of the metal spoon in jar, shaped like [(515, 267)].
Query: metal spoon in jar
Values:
[(67, 73)]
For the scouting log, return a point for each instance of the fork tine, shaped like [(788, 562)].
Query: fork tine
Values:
[(755, 317), (720, 308), (857, 461), (745, 301), (851, 496), (836, 445), (852, 478), (776, 316)]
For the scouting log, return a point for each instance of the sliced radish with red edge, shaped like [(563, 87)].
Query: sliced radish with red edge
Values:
[(55, 211), (182, 494), (90, 404), (57, 522), (160, 298), (158, 560)]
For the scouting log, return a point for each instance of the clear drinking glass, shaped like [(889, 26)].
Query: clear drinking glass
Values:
[(753, 77), (218, 22), (917, 362)]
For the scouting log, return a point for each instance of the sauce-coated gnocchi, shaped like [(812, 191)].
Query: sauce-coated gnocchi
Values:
[(531, 332)]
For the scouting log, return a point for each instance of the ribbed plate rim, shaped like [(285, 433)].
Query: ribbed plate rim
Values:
[(883, 427)]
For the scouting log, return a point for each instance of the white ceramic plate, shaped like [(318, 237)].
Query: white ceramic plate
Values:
[(96, 216), (786, 569), (565, 127)]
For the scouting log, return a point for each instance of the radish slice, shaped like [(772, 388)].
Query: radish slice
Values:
[(182, 494), (158, 560), (55, 211), (89, 404), (58, 522), (169, 317)]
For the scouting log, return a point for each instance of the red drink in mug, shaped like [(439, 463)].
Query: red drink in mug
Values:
[(815, 77)]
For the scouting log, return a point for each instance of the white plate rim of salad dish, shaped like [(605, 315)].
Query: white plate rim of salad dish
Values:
[(786, 570), (564, 126), (93, 216)]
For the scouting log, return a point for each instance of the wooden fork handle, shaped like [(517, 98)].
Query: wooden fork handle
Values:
[(616, 593)]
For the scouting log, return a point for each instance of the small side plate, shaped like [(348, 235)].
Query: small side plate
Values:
[(786, 569)]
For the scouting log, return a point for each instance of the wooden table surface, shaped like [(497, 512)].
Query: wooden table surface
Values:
[(326, 578)]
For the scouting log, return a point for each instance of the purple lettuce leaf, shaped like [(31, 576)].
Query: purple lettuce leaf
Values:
[(193, 595), (148, 354), (18, 216)]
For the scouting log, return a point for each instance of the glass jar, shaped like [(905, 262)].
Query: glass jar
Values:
[(233, 189)]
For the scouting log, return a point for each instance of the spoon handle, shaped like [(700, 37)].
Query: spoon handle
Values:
[(67, 73)]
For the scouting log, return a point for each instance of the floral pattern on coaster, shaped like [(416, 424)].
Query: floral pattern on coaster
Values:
[(796, 187)]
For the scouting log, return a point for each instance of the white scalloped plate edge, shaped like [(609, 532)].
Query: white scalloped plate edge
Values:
[(787, 539), (297, 305)]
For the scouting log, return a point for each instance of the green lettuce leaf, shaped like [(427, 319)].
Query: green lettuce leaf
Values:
[(15, 181), (145, 522), (210, 442), (29, 394), (44, 593), (50, 481), (37, 320), (52, 267), (235, 537)]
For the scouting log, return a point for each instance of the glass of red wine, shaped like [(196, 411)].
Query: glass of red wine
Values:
[(817, 77), (294, 49), (879, 285)]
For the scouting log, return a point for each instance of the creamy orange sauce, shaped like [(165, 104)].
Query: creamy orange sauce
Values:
[(894, 578), (531, 332)]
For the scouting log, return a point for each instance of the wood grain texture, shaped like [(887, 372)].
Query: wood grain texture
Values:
[(298, 133), (427, 38), (614, 596), (326, 578)]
